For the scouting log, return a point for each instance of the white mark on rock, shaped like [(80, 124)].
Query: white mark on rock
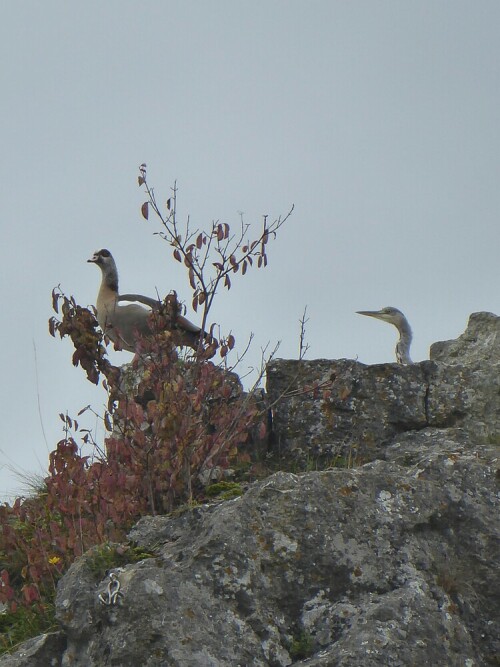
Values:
[(385, 499), (152, 587)]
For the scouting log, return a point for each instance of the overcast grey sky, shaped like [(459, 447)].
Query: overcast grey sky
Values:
[(378, 120)]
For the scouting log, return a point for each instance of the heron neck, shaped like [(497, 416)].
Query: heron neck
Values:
[(403, 346)]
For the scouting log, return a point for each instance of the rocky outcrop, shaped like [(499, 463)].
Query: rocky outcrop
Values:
[(43, 651), (380, 565), (357, 411), (391, 563), (479, 345)]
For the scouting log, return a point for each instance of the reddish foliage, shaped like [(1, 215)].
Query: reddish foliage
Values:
[(182, 419), (186, 417)]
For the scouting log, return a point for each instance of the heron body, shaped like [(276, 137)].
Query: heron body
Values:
[(124, 323), (395, 317)]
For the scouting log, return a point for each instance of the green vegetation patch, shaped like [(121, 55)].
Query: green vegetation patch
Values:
[(23, 623), (224, 490), (302, 646), (107, 556)]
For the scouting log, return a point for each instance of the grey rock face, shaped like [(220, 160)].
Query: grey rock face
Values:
[(380, 565), (42, 651), (479, 344), (358, 410), (393, 563)]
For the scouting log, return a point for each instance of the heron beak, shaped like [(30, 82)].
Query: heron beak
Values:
[(372, 313)]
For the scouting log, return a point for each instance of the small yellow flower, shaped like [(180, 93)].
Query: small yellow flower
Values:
[(54, 560)]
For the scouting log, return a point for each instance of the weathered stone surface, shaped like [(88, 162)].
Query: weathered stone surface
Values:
[(393, 563), (42, 651), (363, 408), (480, 343), (360, 409), (381, 565)]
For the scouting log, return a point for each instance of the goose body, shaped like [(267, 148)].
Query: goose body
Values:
[(395, 317), (123, 323)]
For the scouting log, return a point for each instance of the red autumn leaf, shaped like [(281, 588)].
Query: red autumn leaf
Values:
[(145, 210), (230, 341), (195, 304), (30, 593), (227, 282), (177, 255), (169, 202), (226, 391), (201, 298), (199, 241), (141, 180), (244, 267)]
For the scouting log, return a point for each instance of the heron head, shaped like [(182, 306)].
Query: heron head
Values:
[(388, 314)]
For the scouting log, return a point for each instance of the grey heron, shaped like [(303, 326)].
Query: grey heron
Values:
[(395, 317)]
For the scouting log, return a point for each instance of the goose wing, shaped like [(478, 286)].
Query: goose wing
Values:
[(146, 300), (181, 321), (125, 322)]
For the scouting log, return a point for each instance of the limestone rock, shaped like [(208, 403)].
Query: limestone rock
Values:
[(43, 651), (390, 563), (480, 343), (358, 410), (379, 565)]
